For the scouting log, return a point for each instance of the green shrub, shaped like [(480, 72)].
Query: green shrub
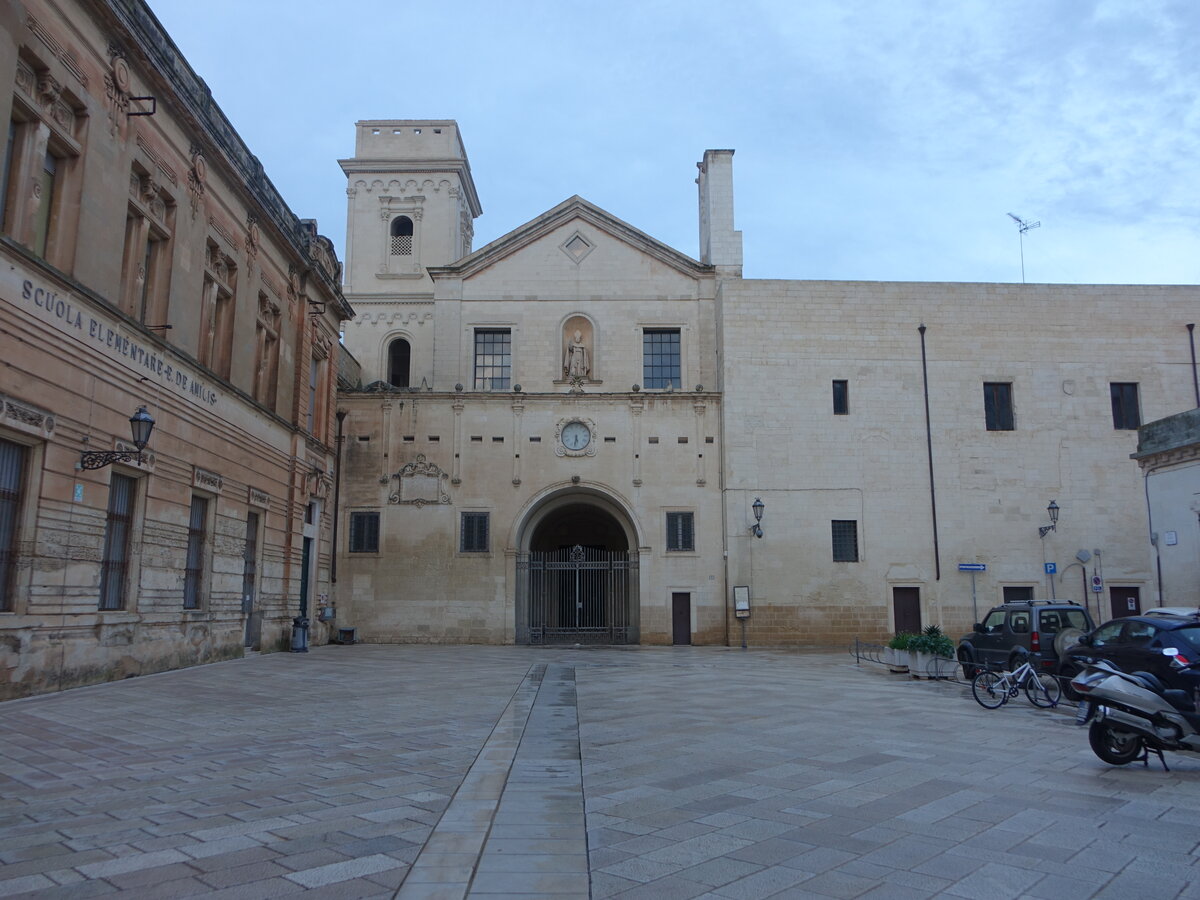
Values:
[(901, 641), (933, 641)]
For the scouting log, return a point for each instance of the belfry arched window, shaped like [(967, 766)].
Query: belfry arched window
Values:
[(399, 357), (402, 236)]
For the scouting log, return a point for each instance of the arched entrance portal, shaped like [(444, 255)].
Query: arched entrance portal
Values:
[(577, 578)]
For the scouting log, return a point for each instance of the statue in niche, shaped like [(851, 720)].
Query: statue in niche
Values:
[(576, 363)]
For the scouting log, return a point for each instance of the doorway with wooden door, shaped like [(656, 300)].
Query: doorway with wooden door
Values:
[(1126, 601), (681, 618), (906, 609)]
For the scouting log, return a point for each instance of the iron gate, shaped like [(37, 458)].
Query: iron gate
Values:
[(577, 595)]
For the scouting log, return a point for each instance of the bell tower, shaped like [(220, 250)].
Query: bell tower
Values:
[(411, 204)]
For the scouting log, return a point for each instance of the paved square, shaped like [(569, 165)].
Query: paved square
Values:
[(426, 771)]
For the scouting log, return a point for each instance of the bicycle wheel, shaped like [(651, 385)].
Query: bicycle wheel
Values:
[(989, 690), (1043, 690)]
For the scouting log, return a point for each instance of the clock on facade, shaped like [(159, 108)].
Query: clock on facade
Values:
[(576, 435)]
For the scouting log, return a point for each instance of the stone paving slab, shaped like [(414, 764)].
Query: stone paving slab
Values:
[(424, 771)]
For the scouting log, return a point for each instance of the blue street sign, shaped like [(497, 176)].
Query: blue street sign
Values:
[(1051, 568), (972, 567)]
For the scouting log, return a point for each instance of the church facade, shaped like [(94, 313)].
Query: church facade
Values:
[(577, 433)]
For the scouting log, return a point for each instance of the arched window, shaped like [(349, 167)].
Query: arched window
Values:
[(402, 236), (399, 355)]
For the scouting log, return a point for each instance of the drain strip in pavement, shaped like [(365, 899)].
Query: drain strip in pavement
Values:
[(515, 825)]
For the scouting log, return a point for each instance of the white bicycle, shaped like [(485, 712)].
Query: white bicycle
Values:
[(992, 690)]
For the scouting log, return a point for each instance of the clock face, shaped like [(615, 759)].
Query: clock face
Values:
[(576, 435)]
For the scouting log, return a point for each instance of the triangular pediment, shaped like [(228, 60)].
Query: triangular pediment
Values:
[(576, 245)]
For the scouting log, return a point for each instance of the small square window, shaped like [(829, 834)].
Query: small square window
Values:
[(474, 533), (997, 405), (841, 398), (845, 540), (364, 532), (1126, 413), (680, 531)]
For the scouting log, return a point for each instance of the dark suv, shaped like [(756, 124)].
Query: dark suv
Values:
[(1009, 633), (1136, 644)]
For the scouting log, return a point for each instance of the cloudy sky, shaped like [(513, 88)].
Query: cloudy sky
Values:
[(875, 139)]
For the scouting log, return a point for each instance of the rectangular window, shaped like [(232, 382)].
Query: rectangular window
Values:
[(493, 359), (45, 190), (680, 531), (6, 176), (364, 532), (841, 398), (1126, 414), (660, 358), (12, 475), (193, 575), (474, 537), (146, 264), (997, 405), (114, 568), (845, 540), (216, 312)]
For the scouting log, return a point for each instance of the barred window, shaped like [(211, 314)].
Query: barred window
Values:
[(114, 566), (402, 236), (660, 358), (681, 531), (364, 532), (474, 534), (841, 398), (1126, 414), (493, 359), (12, 472), (997, 406), (845, 540), (193, 575)]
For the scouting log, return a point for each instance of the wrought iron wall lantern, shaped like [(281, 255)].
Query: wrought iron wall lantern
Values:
[(140, 424), (758, 506), (1052, 509)]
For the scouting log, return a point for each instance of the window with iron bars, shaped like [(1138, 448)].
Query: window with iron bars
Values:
[(845, 540)]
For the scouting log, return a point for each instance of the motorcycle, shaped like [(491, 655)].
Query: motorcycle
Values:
[(1130, 716)]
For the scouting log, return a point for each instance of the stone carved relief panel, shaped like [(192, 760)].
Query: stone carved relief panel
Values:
[(420, 482)]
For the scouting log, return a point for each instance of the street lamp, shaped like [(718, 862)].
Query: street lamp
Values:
[(1052, 509), (140, 425), (758, 506)]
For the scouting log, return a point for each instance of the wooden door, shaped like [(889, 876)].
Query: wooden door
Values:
[(906, 605), (1126, 601), (681, 618)]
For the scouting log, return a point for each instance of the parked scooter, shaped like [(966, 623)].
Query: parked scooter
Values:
[(1133, 715)]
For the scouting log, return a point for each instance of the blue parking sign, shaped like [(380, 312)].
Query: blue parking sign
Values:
[(1051, 568)]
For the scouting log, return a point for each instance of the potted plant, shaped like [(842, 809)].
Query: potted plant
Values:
[(896, 653), (925, 648)]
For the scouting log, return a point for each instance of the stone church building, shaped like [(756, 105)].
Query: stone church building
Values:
[(571, 433)]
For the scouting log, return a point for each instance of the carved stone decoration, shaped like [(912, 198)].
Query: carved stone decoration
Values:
[(420, 482), (253, 237), (197, 178), (118, 83), (23, 417)]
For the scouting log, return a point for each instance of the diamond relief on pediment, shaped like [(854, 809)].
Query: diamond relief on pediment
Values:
[(577, 247)]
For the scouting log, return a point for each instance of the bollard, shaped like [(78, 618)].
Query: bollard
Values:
[(300, 634)]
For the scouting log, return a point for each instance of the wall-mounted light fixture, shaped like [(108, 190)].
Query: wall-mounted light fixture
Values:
[(140, 424), (1052, 509), (758, 506)]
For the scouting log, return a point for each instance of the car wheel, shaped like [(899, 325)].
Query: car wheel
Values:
[(968, 665)]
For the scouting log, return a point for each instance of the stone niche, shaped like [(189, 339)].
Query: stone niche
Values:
[(586, 371)]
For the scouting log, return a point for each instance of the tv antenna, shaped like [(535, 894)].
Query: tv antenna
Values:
[(1023, 226)]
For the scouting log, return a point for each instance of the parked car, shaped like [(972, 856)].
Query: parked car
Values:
[(1136, 644), (1010, 633)]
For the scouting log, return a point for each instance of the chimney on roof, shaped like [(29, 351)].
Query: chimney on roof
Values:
[(720, 244)]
